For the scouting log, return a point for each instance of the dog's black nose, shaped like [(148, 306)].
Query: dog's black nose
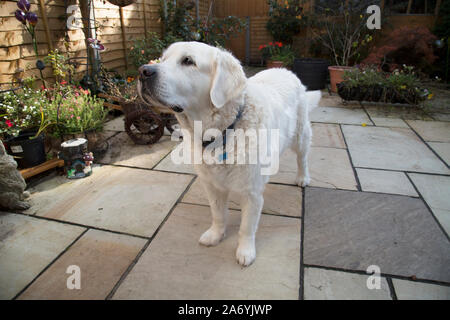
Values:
[(147, 71)]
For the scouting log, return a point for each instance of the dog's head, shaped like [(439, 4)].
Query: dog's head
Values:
[(191, 74)]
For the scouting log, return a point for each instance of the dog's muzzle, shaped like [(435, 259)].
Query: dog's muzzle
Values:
[(148, 75)]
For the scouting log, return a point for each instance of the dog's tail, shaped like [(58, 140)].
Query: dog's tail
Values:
[(313, 98)]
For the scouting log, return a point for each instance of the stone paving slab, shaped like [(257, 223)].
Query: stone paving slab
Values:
[(328, 100), (396, 149), (327, 135), (389, 122), (120, 199), (409, 290), (321, 284), (102, 258), (400, 112), (385, 182), (340, 115), (27, 246), (329, 168), (176, 266), (168, 165), (435, 190), (431, 130), (442, 149), (123, 151), (278, 199), (116, 124), (353, 230)]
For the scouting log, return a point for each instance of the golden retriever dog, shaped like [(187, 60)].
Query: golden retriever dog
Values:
[(207, 88)]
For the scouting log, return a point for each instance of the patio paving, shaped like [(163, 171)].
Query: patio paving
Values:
[(379, 195), (27, 246), (432, 130), (176, 266), (113, 198), (353, 230), (329, 168), (102, 258), (290, 206), (340, 115), (124, 152), (396, 149), (385, 182), (435, 190), (321, 284), (408, 290)]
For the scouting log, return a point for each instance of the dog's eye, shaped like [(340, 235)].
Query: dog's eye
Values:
[(187, 61)]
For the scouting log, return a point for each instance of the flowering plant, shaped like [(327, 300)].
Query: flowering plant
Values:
[(72, 109), (277, 51), (29, 20), (21, 110), (285, 19)]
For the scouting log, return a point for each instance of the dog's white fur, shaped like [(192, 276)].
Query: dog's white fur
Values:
[(211, 91)]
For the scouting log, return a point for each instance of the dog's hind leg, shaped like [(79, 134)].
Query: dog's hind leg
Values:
[(302, 146), (218, 201), (251, 206)]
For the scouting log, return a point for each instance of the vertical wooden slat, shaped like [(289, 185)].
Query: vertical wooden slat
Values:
[(145, 19), (45, 23), (124, 41), (436, 9), (408, 10)]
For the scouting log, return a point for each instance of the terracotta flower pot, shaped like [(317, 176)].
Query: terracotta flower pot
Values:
[(337, 75), (275, 64)]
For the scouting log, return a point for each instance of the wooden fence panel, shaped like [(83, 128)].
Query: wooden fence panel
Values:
[(16, 51)]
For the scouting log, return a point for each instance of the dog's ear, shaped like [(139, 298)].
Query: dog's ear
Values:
[(228, 79)]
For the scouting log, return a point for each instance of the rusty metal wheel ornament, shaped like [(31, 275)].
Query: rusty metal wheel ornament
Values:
[(121, 3), (170, 122), (144, 126)]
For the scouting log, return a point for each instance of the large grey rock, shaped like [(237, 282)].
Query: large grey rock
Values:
[(12, 184)]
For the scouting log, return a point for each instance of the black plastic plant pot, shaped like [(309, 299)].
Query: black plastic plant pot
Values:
[(27, 152), (312, 73)]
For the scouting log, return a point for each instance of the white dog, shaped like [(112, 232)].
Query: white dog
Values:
[(207, 84)]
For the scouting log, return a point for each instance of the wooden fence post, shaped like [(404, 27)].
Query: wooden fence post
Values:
[(124, 41), (145, 19), (45, 22)]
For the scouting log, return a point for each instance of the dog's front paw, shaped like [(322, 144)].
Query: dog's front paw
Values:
[(246, 253), (303, 181), (211, 237)]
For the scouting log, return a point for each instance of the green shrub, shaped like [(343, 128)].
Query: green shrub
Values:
[(149, 48)]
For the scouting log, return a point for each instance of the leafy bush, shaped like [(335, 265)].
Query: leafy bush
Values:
[(339, 27), (410, 46), (215, 31), (178, 23), (149, 48), (285, 20)]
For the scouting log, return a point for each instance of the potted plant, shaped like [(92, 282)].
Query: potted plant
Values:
[(340, 28), (72, 112), (22, 122), (370, 84), (277, 55)]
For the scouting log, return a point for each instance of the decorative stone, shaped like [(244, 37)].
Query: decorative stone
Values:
[(12, 184)]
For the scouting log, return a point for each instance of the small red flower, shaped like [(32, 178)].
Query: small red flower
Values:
[(63, 82), (9, 123)]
